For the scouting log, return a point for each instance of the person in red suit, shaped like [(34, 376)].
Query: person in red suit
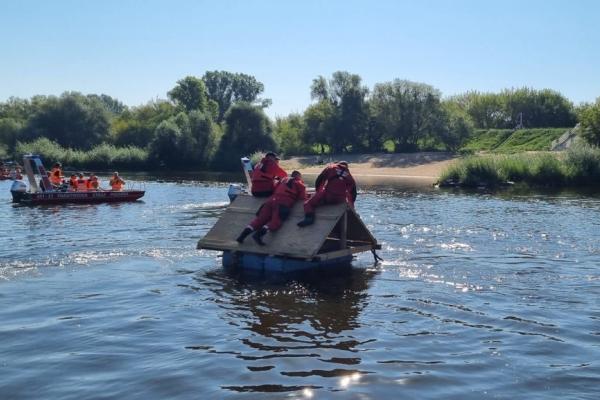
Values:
[(274, 211), (264, 175), (334, 185)]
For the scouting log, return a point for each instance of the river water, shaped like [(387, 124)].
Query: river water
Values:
[(479, 296)]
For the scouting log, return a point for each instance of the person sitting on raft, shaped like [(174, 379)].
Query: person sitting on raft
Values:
[(56, 174), (334, 185), (264, 175), (116, 183), (274, 211)]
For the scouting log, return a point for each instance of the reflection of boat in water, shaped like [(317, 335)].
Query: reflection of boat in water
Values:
[(37, 194)]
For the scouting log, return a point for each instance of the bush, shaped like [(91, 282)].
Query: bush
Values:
[(494, 170), (583, 165), (513, 168), (546, 170), (472, 172), (103, 156)]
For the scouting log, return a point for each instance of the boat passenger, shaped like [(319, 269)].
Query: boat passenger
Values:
[(334, 185), (73, 182), (81, 183), (116, 183), (277, 209), (56, 174), (264, 175), (41, 184), (92, 182), (18, 174)]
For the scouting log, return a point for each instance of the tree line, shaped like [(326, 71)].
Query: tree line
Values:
[(210, 121)]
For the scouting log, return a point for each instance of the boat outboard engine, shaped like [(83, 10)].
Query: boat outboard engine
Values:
[(234, 191), (18, 189)]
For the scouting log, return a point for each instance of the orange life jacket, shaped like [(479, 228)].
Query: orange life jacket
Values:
[(116, 183), (264, 174), (56, 176), (82, 184)]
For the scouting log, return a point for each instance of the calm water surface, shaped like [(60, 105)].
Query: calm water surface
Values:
[(479, 296)]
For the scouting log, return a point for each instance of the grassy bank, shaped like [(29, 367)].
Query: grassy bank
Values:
[(511, 141), (577, 167)]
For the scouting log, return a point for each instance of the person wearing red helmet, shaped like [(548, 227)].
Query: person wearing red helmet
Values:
[(264, 175), (274, 211), (334, 185)]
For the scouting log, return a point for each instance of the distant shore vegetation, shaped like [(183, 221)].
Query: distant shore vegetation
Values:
[(208, 122), (578, 166)]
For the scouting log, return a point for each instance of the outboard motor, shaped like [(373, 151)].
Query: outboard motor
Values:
[(234, 191), (18, 190)]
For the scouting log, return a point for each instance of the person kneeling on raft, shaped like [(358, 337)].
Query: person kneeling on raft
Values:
[(334, 185), (276, 209)]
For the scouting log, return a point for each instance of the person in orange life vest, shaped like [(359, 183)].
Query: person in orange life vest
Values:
[(264, 175), (73, 182), (274, 211), (81, 183), (56, 174), (116, 183), (92, 182), (334, 185)]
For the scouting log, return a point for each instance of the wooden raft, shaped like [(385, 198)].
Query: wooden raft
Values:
[(337, 232)]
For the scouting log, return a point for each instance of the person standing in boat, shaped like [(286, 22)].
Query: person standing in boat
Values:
[(56, 174), (334, 185), (274, 211), (264, 175), (116, 183)]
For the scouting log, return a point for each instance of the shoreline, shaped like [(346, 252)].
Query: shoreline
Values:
[(413, 169)]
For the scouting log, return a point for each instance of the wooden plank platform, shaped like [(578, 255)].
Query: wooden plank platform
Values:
[(311, 242)]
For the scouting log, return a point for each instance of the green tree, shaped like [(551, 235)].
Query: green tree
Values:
[(247, 130), (10, 132), (137, 126), (112, 105), (190, 94), (288, 133), (406, 112), (164, 149), (590, 123), (72, 120), (347, 98), (319, 122), (227, 88), (455, 126)]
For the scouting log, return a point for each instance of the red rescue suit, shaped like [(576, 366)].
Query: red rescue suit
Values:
[(276, 210), (263, 177), (334, 185)]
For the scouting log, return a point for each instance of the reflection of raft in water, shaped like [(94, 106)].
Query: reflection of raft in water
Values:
[(336, 235)]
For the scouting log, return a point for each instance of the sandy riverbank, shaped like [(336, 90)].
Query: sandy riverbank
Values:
[(411, 168)]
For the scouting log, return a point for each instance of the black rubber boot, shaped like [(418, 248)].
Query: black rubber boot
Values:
[(259, 234), (309, 219), (243, 235)]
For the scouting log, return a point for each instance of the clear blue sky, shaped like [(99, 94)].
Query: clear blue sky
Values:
[(137, 50)]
